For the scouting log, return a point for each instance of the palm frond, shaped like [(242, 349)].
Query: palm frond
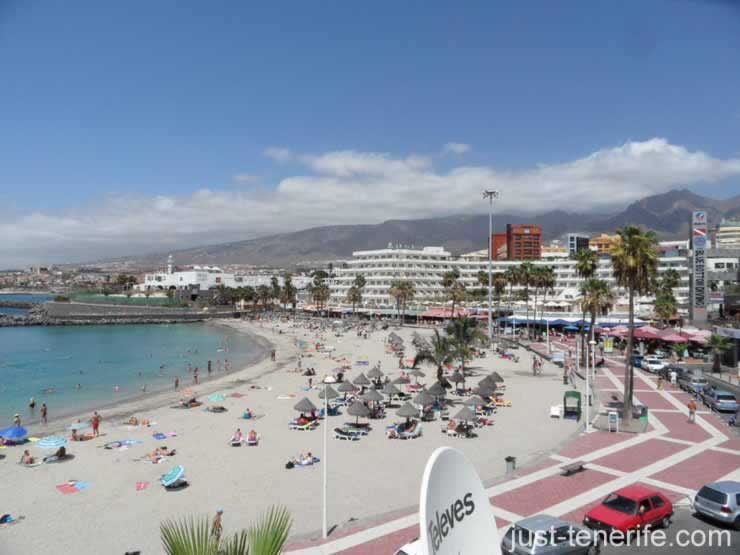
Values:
[(268, 535), (190, 536)]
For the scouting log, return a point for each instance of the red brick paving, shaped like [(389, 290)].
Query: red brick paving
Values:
[(733, 443), (386, 544), (535, 497), (644, 454), (592, 442), (678, 428), (654, 400), (700, 469)]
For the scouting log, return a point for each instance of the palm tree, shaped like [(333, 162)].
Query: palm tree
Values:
[(453, 292), (635, 261), (354, 296), (665, 306), (288, 292), (526, 277), (547, 283), (274, 289), (718, 344), (512, 278), (499, 286), (464, 335), (596, 298), (193, 536), (587, 261), (439, 354), (403, 291), (264, 294)]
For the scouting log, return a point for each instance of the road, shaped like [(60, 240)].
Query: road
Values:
[(684, 525)]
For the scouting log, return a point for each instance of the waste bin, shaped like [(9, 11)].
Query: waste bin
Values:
[(510, 464), (565, 379)]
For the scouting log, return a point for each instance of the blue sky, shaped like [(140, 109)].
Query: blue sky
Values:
[(117, 106)]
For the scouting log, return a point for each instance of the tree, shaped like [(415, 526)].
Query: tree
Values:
[(402, 291), (665, 306), (288, 293), (512, 278), (464, 335), (679, 349), (718, 344), (275, 289), (587, 261), (634, 261), (354, 296), (596, 298), (547, 282), (194, 536), (360, 281), (526, 276), (499, 286), (223, 296), (264, 294), (439, 354), (452, 289)]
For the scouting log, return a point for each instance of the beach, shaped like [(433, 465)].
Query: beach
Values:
[(367, 478)]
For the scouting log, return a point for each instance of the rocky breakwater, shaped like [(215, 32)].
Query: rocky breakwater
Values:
[(18, 304)]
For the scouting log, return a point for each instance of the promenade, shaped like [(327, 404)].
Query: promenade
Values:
[(673, 456)]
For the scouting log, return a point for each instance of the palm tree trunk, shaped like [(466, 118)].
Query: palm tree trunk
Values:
[(627, 416), (534, 317), (526, 300)]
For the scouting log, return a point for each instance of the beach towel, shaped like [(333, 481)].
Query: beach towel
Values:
[(163, 435), (141, 486), (73, 486), (288, 396), (237, 395)]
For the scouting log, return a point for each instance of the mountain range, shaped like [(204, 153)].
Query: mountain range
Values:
[(668, 214)]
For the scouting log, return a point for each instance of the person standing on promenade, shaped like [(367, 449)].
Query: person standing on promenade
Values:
[(692, 410), (96, 424), (660, 382), (44, 411)]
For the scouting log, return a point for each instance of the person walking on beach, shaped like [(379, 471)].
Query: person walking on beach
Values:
[(44, 411), (96, 424), (692, 411), (17, 420), (217, 527), (195, 376), (32, 405), (177, 383)]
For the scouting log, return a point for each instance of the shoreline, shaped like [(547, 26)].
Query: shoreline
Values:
[(162, 398)]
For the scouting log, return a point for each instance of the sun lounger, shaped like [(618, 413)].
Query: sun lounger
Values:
[(253, 442), (555, 411), (411, 435), (302, 427), (347, 435)]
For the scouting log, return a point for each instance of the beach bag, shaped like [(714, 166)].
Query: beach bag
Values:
[(289, 465)]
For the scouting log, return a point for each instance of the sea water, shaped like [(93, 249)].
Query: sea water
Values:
[(20, 298), (78, 368)]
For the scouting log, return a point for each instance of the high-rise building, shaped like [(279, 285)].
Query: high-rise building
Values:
[(523, 242), (728, 235), (498, 246), (577, 242)]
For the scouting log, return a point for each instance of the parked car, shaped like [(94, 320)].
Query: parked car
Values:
[(719, 399), (652, 364), (666, 371), (720, 501), (635, 507), (695, 385), (547, 534)]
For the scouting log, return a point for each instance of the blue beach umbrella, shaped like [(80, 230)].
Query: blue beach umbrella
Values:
[(216, 397), (14, 433), (51, 442), (173, 476)]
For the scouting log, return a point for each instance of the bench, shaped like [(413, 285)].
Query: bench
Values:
[(572, 468)]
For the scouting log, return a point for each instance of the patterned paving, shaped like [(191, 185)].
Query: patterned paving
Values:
[(634, 458)]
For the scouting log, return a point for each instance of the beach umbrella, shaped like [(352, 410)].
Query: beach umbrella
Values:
[(423, 398), (390, 389), (408, 411), (305, 405), (361, 380), (51, 442), (375, 373), (437, 389), (173, 476), (497, 377), (359, 409), (346, 387), (487, 382), (401, 380), (417, 373), (457, 377), (475, 401), (484, 392), (216, 397), (465, 414), (80, 425), (372, 395), (14, 433), (330, 393)]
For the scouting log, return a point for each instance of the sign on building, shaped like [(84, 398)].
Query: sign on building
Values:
[(698, 274), (455, 514)]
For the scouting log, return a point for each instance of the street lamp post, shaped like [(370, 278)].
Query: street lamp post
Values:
[(328, 380), (490, 195), (591, 344)]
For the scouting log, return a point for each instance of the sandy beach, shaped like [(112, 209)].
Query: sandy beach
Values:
[(367, 478)]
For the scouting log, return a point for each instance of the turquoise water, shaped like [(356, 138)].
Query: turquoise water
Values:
[(98, 358), (24, 298)]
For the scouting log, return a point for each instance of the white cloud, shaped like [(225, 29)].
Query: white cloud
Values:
[(279, 154), (455, 148), (348, 187)]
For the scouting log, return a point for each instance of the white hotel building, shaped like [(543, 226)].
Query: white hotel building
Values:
[(425, 267)]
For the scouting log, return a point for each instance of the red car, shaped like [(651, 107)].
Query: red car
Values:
[(632, 508)]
